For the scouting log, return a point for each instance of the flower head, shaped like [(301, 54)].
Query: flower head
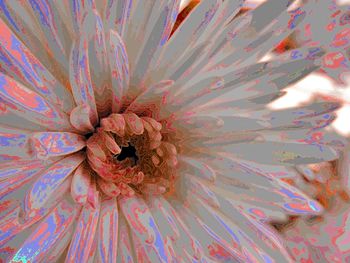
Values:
[(124, 139)]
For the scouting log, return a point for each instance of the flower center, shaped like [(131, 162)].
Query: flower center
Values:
[(127, 152), (128, 155)]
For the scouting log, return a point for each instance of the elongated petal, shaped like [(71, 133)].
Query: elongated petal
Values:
[(98, 60), (51, 24), (14, 144), (51, 144), (187, 242), (47, 234), (157, 31), (58, 251), (20, 64), (119, 65), (163, 218), (282, 153), (30, 104), (80, 78), (116, 15), (125, 253), (81, 182), (22, 20), (49, 181), (197, 168), (199, 188), (191, 29), (16, 221), (13, 179), (152, 99), (142, 224), (107, 232), (218, 248), (283, 195), (11, 119), (83, 238)]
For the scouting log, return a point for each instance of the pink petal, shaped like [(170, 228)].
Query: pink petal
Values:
[(22, 65), (92, 26), (80, 118), (125, 253), (80, 77), (142, 224), (107, 231), (52, 144), (157, 30), (80, 185), (48, 182), (84, 234), (14, 144), (47, 234), (31, 105), (119, 65), (117, 14), (13, 179)]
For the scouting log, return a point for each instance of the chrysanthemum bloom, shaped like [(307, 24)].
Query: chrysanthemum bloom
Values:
[(122, 144), (324, 238)]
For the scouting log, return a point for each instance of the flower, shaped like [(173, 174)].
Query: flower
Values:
[(323, 238), (123, 142)]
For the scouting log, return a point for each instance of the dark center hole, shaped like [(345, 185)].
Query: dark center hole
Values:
[(128, 152)]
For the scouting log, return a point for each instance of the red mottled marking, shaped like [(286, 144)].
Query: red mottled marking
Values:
[(333, 59), (259, 213), (5, 38), (40, 231), (217, 251), (342, 38), (24, 96)]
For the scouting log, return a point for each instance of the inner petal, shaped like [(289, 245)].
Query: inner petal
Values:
[(128, 155)]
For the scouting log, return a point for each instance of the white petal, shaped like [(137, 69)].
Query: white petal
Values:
[(84, 234), (98, 57), (188, 33), (143, 226), (29, 104), (14, 144), (81, 183), (107, 232), (157, 31), (197, 168), (47, 234), (119, 65), (53, 144), (125, 253), (209, 238), (22, 20), (163, 218), (117, 14), (28, 70), (80, 79), (282, 153), (48, 182), (54, 30), (187, 242)]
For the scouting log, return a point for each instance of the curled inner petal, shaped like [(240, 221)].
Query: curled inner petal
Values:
[(128, 155)]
